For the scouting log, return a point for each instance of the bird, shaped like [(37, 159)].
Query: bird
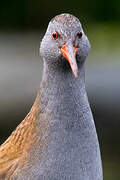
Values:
[(57, 140)]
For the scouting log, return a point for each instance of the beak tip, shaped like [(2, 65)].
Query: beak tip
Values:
[(76, 74)]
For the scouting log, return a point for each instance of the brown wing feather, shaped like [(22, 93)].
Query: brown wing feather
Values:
[(13, 150), (8, 170)]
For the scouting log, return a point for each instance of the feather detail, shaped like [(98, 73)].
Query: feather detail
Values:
[(15, 148)]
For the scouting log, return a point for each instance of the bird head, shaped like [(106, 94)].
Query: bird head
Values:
[(65, 42)]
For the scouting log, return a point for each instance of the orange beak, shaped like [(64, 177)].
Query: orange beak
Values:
[(69, 52)]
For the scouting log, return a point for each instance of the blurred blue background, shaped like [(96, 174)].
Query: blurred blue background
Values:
[(22, 26)]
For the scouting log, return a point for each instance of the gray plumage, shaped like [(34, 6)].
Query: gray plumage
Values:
[(74, 150)]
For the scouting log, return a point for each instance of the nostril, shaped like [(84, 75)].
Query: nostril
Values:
[(75, 49)]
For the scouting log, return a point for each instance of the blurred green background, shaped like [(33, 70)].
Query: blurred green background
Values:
[(22, 25)]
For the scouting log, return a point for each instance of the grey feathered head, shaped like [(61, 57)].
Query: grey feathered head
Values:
[(65, 40)]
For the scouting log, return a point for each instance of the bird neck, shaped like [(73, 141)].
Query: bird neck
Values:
[(57, 79), (64, 96)]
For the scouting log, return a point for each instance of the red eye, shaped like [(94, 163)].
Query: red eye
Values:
[(55, 35), (79, 35)]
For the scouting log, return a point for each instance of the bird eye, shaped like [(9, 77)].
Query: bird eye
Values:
[(55, 35), (79, 35)]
